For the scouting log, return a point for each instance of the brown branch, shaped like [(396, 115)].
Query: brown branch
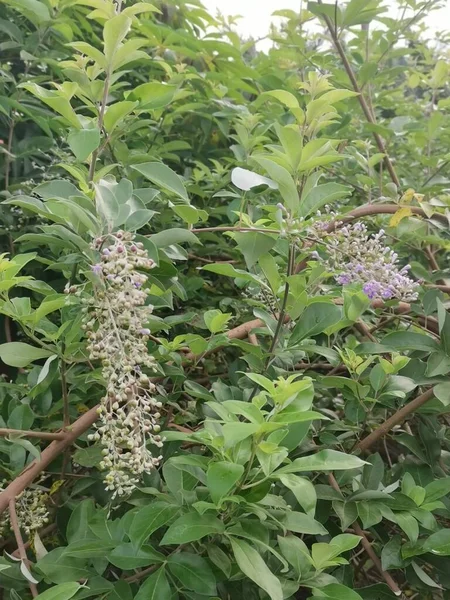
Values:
[(367, 545), (386, 209), (47, 456), (42, 435), (364, 330), (396, 419), (362, 101), (42, 533), (253, 339), (20, 545)]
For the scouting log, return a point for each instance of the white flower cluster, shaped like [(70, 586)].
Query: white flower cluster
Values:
[(31, 509), (115, 325)]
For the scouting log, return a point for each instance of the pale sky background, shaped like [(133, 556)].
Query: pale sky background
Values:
[(256, 15)]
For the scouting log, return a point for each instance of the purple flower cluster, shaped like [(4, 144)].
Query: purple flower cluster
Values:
[(355, 256)]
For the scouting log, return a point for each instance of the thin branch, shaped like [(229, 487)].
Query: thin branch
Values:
[(42, 533), (47, 456), (396, 419), (100, 125), (20, 545), (367, 545), (361, 98), (220, 228), (42, 435)]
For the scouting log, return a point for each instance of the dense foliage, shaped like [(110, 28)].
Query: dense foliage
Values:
[(225, 343)]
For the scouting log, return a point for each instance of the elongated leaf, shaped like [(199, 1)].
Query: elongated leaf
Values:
[(149, 519), (155, 587), (19, 354), (251, 564), (63, 591), (282, 177), (315, 319), (222, 477), (192, 527), (163, 176), (193, 572), (325, 460)]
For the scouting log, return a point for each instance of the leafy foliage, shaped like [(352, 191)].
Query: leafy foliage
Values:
[(303, 418)]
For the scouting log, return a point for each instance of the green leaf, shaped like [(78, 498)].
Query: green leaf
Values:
[(192, 527), (234, 433), (116, 113), (21, 417), (314, 320), (63, 591), (253, 245), (321, 195), (218, 557), (19, 354), (438, 543), (34, 10), (296, 553), (56, 100), (336, 591), (391, 555), (301, 523), (83, 142), (60, 568), (149, 519), (155, 587), (216, 320), (283, 96), (193, 572), (77, 527), (114, 32), (126, 556), (325, 460), (229, 271), (251, 564), (424, 576), (163, 176), (303, 490), (162, 239), (437, 488), (87, 548), (221, 477), (282, 177)]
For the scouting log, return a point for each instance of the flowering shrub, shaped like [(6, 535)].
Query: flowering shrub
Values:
[(209, 389)]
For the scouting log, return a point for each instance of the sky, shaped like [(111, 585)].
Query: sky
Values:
[(256, 14)]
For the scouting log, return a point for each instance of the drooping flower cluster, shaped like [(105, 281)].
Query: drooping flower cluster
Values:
[(31, 509), (115, 325), (354, 255)]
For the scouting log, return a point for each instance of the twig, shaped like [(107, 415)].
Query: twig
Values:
[(100, 124), (42, 533), (253, 339), (20, 545), (43, 435), (47, 456), (367, 545), (396, 419), (361, 98), (364, 330)]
